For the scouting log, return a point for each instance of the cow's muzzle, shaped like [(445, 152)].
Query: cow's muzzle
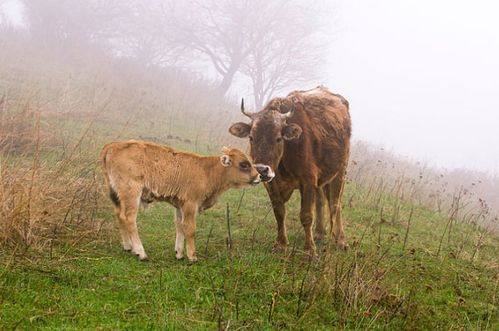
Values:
[(265, 171)]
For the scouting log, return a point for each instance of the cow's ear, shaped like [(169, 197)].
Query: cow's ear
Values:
[(291, 131), (225, 160), (240, 129)]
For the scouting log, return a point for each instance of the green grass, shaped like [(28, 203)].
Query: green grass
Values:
[(376, 285)]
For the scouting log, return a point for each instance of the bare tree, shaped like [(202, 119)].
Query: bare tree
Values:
[(271, 42), (291, 53), (222, 31), (144, 36)]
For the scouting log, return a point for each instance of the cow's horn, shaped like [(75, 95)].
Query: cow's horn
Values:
[(250, 115)]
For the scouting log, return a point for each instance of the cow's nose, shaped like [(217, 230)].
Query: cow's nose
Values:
[(262, 169), (265, 171)]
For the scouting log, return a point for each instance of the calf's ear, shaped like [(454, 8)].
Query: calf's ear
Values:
[(240, 129), (291, 131), (225, 160)]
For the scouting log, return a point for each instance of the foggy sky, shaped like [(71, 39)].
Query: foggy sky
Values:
[(422, 78)]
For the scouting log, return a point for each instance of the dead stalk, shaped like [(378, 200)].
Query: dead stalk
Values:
[(229, 236), (407, 229)]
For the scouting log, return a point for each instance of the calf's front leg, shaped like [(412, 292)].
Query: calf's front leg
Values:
[(180, 238), (189, 211)]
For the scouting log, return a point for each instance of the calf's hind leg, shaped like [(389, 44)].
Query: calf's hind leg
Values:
[(129, 208), (125, 238)]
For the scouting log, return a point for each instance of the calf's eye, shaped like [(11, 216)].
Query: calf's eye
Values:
[(245, 165)]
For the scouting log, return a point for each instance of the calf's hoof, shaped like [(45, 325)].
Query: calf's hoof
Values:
[(193, 259), (179, 256), (342, 245), (143, 258)]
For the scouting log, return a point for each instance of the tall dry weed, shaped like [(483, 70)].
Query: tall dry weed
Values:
[(45, 198), (384, 174)]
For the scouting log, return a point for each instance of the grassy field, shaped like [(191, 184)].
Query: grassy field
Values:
[(61, 262), (62, 266), (387, 280)]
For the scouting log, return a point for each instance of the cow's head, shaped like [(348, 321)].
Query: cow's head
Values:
[(267, 132), (239, 169)]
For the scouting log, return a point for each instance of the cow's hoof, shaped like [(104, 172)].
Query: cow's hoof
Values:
[(320, 239), (280, 248), (311, 253), (311, 257), (319, 236)]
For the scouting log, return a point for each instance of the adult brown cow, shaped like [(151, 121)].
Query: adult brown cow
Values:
[(304, 141)]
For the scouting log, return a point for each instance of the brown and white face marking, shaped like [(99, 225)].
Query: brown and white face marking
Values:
[(267, 132), (240, 171)]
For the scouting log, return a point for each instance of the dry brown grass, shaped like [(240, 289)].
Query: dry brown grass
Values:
[(462, 195), (45, 197)]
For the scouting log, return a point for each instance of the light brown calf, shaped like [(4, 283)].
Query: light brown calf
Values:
[(139, 171)]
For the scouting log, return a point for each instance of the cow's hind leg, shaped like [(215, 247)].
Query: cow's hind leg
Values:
[(334, 192), (320, 226), (308, 193), (128, 221), (180, 237)]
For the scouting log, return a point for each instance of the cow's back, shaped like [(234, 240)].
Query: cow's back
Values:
[(324, 147)]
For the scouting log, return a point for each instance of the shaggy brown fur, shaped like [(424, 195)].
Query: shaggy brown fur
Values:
[(305, 139), (138, 171)]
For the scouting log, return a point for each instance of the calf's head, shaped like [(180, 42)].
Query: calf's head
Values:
[(267, 133), (239, 169)]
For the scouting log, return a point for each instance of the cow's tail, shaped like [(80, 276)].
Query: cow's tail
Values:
[(103, 160)]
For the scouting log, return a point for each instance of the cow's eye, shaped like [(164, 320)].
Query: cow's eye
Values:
[(250, 138), (245, 165), (279, 139)]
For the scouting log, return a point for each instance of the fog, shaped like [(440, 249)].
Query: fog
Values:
[(422, 78)]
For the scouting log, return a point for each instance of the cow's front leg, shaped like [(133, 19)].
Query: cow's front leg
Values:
[(280, 216), (279, 193), (189, 211), (307, 216)]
